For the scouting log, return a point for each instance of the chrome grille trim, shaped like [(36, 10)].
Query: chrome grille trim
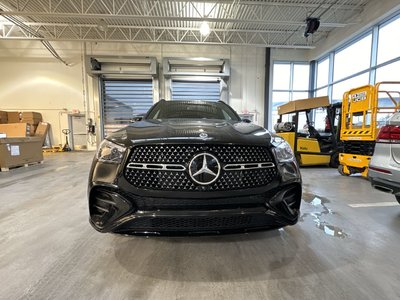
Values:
[(251, 166), (157, 167), (248, 166)]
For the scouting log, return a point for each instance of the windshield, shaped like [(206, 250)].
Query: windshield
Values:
[(192, 110)]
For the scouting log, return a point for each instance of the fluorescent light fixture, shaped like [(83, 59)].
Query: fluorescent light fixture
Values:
[(204, 28)]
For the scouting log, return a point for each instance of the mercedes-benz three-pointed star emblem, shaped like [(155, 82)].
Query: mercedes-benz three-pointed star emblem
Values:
[(204, 168), (203, 135)]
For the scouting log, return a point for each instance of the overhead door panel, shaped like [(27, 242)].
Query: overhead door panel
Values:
[(196, 90), (124, 99)]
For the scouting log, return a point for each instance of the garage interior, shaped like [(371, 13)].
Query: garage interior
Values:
[(74, 71)]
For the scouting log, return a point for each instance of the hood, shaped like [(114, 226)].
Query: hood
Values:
[(190, 131)]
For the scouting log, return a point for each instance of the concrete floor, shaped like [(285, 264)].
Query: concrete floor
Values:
[(48, 250)]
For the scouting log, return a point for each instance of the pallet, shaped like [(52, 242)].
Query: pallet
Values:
[(5, 169), (53, 149)]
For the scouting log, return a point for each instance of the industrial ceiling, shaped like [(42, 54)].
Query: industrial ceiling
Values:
[(262, 23)]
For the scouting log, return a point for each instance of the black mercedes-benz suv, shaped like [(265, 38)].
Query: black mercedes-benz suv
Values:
[(193, 167)]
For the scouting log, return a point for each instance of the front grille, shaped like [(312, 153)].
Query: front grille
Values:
[(178, 180), (359, 147), (198, 223), (204, 203), (179, 154)]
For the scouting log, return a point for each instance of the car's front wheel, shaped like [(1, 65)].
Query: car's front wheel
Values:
[(398, 198)]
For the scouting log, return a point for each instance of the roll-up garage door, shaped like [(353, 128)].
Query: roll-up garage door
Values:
[(196, 90), (124, 99)]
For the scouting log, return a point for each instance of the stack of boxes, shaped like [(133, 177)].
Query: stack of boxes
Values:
[(18, 143), (3, 117), (32, 118), (13, 116)]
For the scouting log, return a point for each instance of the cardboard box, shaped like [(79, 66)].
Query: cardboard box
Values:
[(16, 130), (31, 117), (33, 130), (13, 116), (3, 117), (19, 151), (42, 130)]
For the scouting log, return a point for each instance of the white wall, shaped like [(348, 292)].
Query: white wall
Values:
[(279, 54), (33, 80), (40, 84)]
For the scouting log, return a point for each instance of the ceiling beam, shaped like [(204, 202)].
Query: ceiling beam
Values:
[(146, 35), (20, 6), (161, 18), (111, 27), (326, 4), (169, 42)]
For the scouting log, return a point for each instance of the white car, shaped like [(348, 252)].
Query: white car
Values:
[(384, 168)]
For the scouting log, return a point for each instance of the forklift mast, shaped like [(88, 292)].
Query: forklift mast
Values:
[(334, 115)]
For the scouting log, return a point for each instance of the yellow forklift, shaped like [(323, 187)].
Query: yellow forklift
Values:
[(313, 142), (364, 110)]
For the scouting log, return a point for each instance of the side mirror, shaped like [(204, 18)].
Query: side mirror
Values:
[(137, 118), (246, 120)]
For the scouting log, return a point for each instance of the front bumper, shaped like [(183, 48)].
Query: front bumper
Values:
[(117, 206), (129, 213)]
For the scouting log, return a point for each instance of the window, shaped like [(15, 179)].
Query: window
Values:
[(353, 59), (388, 41), (388, 95), (389, 72), (290, 82), (281, 97), (344, 86), (278, 98), (299, 95), (301, 75), (281, 77), (322, 72), (321, 92)]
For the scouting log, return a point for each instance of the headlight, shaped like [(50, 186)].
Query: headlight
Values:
[(110, 152), (282, 149)]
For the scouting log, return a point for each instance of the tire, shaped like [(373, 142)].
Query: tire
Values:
[(398, 198), (334, 163), (341, 171)]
